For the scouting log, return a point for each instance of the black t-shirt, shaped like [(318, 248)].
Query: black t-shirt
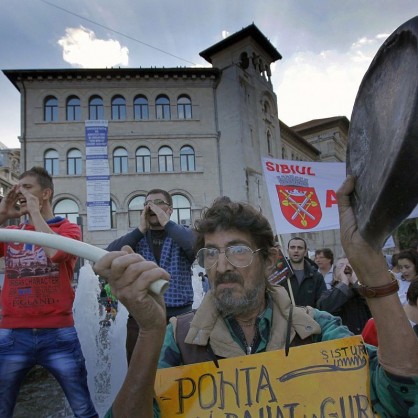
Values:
[(157, 241)]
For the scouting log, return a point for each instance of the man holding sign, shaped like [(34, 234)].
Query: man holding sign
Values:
[(244, 314)]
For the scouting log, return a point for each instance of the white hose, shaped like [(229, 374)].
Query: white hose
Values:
[(72, 246)]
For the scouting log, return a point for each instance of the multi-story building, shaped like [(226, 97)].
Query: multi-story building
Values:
[(197, 132), (329, 136), (9, 176), (9, 168)]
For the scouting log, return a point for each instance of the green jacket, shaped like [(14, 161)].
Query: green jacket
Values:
[(391, 396)]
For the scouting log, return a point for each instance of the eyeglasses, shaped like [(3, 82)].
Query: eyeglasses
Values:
[(158, 202), (237, 255)]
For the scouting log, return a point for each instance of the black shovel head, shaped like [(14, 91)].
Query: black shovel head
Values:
[(382, 147)]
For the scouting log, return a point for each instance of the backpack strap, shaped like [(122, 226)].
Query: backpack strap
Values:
[(191, 353), (297, 340)]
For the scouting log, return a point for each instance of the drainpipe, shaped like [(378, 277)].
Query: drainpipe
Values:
[(218, 137), (22, 137)]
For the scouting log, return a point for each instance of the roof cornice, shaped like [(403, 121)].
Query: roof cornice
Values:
[(16, 76), (250, 31)]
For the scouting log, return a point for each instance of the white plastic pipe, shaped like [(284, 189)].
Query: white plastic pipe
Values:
[(72, 246)]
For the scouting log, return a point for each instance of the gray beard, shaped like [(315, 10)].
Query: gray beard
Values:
[(229, 305)]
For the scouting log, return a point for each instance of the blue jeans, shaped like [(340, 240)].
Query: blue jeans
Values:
[(57, 350)]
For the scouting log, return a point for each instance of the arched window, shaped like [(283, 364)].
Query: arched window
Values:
[(284, 155), (73, 109), (118, 108), (96, 108), (184, 107), (67, 208), (50, 109), (51, 162), (187, 159), (112, 214), (165, 159), (120, 161), (74, 162), (141, 108), (162, 108), (143, 160), (267, 107), (182, 213), (269, 145), (135, 208)]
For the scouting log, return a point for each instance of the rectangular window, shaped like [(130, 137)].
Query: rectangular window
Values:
[(74, 166), (51, 113), (51, 165), (120, 165)]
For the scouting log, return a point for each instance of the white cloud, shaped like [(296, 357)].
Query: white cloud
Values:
[(314, 86), (81, 48)]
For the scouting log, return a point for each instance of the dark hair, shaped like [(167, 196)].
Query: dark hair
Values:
[(298, 239), (167, 195), (394, 259), (42, 177), (412, 293), (414, 244), (327, 253), (410, 255), (224, 214)]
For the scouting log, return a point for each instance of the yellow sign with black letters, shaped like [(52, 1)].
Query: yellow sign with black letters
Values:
[(328, 379)]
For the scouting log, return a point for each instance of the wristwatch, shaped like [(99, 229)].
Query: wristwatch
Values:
[(380, 291)]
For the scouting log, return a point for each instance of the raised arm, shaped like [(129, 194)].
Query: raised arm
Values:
[(129, 276), (183, 236), (398, 344), (8, 204)]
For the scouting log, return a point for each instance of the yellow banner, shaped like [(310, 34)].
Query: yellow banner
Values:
[(329, 379)]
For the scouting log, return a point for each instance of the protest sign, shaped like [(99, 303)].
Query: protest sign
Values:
[(303, 194), (316, 380)]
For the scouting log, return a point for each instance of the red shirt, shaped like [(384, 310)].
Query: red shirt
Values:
[(369, 333), (37, 290)]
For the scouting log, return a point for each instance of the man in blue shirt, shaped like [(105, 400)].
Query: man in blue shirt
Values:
[(168, 244)]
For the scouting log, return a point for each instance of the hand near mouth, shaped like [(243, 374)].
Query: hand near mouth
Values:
[(30, 203), (9, 205), (162, 216)]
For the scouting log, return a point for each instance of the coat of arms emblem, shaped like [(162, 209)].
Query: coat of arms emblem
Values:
[(300, 206)]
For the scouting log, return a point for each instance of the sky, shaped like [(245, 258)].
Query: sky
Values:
[(326, 45)]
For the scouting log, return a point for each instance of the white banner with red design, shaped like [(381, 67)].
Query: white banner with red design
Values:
[(303, 194)]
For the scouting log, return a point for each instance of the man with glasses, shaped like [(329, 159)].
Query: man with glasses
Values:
[(324, 258), (168, 244), (244, 314)]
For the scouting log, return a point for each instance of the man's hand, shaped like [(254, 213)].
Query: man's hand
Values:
[(33, 205), (143, 221), (8, 205), (368, 263), (344, 273), (130, 276), (163, 217)]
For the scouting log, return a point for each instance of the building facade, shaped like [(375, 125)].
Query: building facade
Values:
[(9, 176), (197, 132)]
